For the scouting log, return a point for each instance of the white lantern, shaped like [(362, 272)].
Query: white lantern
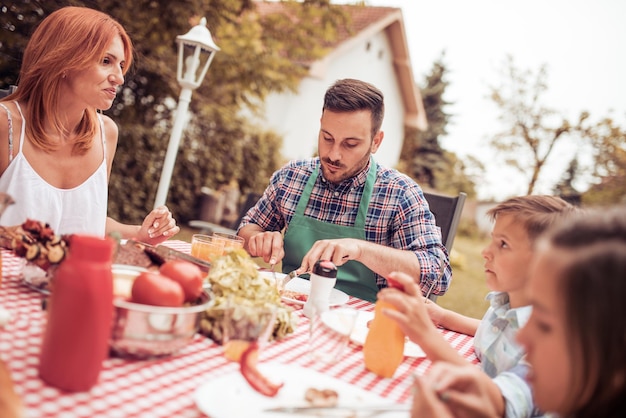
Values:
[(194, 47), (196, 50)]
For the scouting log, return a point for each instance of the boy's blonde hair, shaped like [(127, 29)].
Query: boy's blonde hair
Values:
[(536, 212)]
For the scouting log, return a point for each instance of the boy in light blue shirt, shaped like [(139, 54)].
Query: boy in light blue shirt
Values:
[(517, 223)]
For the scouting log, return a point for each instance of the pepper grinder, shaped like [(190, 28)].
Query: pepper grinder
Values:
[(323, 279)]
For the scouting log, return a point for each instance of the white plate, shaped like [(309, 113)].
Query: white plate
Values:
[(300, 285), (231, 396), (361, 329), (34, 277), (123, 277)]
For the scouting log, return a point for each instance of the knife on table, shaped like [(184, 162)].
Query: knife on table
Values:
[(342, 411), (288, 277), (294, 273), (162, 253)]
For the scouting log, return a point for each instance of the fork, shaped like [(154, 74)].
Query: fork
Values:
[(273, 270), (432, 285)]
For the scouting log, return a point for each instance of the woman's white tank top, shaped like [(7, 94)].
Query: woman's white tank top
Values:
[(82, 209)]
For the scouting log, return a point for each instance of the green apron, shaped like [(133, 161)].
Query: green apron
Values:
[(353, 277)]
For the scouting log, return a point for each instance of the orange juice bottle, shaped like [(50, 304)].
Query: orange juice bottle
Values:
[(384, 345)]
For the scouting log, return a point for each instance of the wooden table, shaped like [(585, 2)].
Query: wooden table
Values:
[(164, 387)]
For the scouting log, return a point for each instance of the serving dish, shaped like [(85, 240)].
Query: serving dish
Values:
[(231, 396), (149, 331), (300, 285)]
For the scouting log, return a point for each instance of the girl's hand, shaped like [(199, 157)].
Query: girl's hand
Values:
[(426, 401), (466, 390), (411, 312), (158, 226)]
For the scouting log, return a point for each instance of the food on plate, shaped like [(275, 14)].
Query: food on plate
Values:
[(321, 397), (234, 349), (188, 275), (152, 288), (36, 242), (132, 253), (256, 379), (291, 294), (140, 254), (239, 293)]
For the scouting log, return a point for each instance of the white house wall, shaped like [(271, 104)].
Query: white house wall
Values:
[(296, 117)]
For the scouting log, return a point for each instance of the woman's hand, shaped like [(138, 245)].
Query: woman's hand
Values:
[(158, 226)]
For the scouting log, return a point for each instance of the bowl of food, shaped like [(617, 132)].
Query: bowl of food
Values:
[(151, 331), (242, 301), (238, 319), (142, 330)]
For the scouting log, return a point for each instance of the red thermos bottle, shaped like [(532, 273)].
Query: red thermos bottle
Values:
[(80, 311)]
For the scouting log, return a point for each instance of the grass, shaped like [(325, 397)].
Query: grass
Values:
[(467, 291)]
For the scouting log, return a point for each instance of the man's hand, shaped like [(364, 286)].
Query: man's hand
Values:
[(268, 245), (339, 251)]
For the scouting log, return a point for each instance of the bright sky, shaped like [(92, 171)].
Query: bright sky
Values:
[(583, 44)]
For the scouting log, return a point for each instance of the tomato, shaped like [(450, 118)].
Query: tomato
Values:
[(188, 275), (253, 376), (152, 288)]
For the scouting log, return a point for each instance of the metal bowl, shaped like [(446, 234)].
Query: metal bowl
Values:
[(142, 331)]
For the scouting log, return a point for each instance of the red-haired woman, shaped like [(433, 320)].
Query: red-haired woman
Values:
[(56, 150)]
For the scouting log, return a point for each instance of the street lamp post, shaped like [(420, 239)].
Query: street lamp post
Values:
[(194, 48)]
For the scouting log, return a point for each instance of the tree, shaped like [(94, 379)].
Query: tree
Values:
[(258, 55), (532, 130), (422, 156), (565, 188), (608, 142)]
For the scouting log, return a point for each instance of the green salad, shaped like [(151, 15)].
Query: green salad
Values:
[(244, 302)]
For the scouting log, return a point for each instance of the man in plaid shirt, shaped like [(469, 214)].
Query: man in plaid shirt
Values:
[(341, 206)]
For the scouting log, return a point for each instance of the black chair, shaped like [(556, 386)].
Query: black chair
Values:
[(208, 228), (447, 211), (7, 91)]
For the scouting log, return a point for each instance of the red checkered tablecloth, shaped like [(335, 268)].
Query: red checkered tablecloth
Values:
[(164, 387)]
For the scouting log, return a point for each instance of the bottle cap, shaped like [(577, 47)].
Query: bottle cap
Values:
[(325, 268), (91, 247)]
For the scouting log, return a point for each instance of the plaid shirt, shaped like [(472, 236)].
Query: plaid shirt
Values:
[(398, 214), (502, 358)]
